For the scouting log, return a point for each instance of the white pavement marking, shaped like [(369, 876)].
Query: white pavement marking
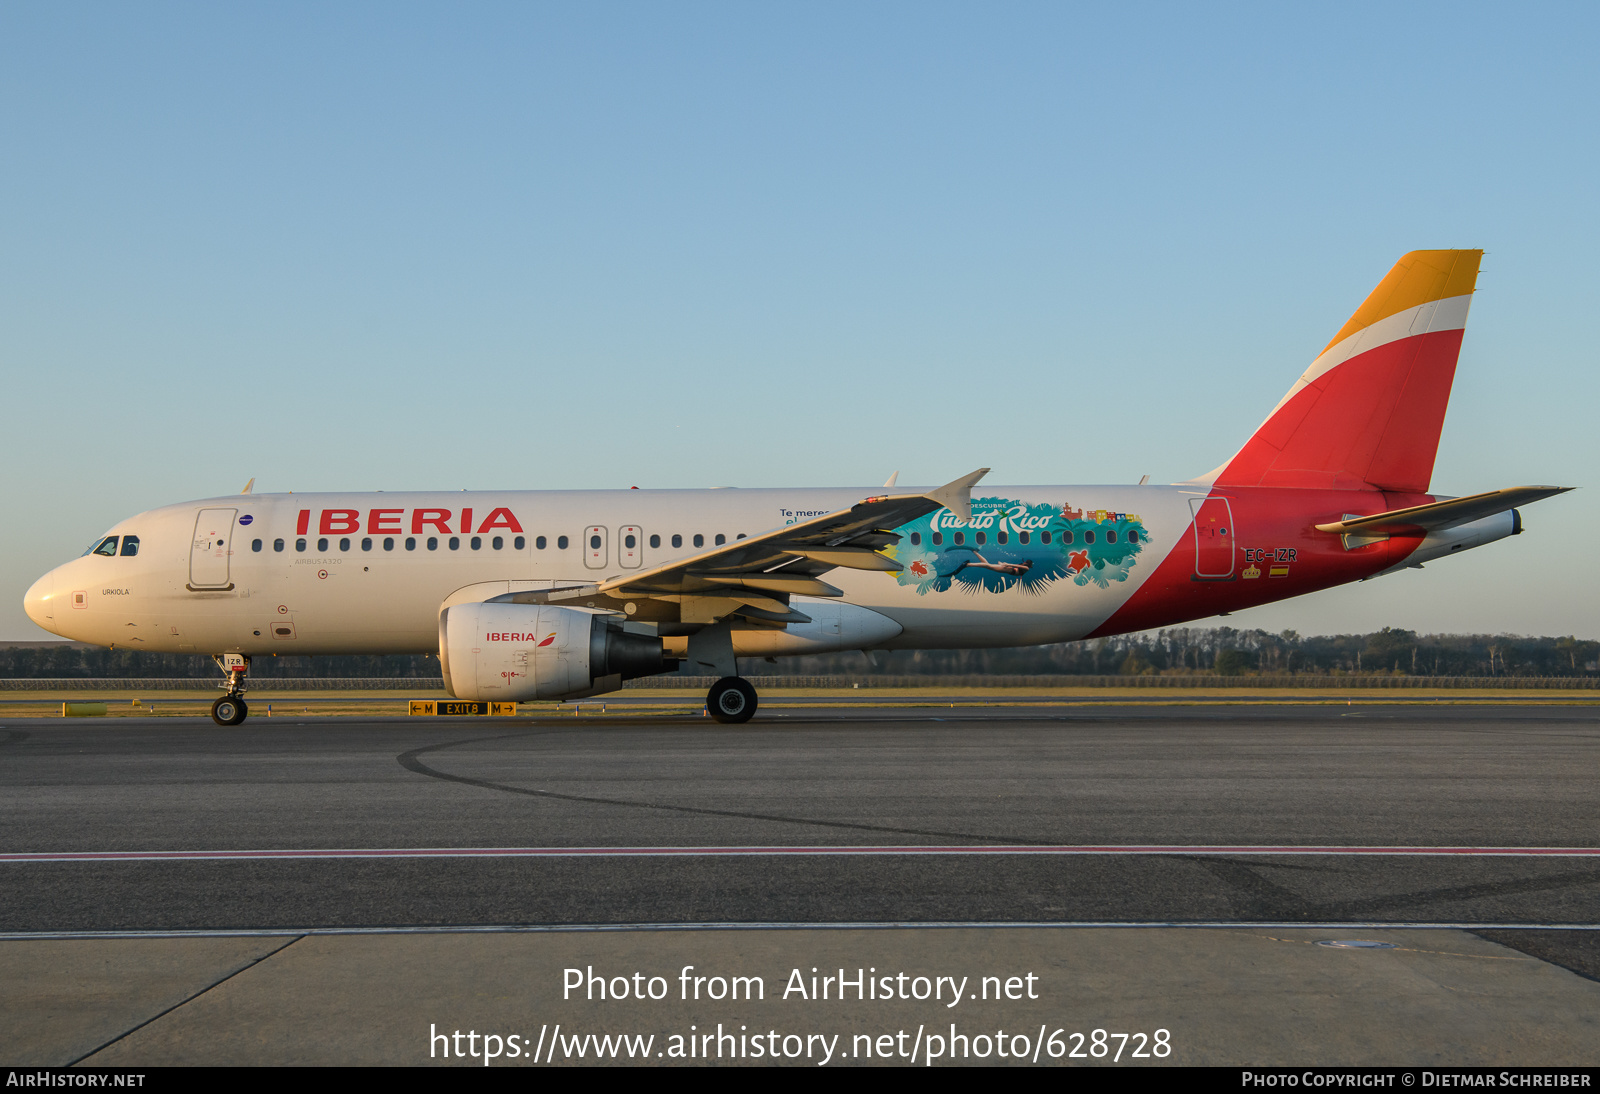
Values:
[(783, 850), (892, 925)]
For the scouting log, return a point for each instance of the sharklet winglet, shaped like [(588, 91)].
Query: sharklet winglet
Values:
[(957, 496)]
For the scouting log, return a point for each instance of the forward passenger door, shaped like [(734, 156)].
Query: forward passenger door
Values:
[(211, 548)]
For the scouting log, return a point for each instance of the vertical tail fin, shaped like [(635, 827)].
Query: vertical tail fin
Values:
[(1368, 411)]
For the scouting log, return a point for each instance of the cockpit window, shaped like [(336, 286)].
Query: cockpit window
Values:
[(130, 546), (107, 547)]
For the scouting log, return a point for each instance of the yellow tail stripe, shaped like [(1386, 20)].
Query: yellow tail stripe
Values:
[(1420, 277)]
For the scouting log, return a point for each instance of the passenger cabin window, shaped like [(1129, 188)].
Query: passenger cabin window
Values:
[(498, 542), (938, 538), (1111, 536), (1133, 536), (477, 543), (300, 545), (366, 543), (256, 545), (455, 543), (277, 544), (519, 543), (594, 543), (1044, 537), (344, 544), (322, 546), (629, 541), (960, 538), (677, 541), (1088, 537), (130, 546), (916, 539), (411, 543), (561, 543), (1000, 538), (655, 541), (982, 539), (721, 539), (1024, 536), (107, 547), (433, 543), (388, 543), (1069, 537), (540, 542), (699, 540)]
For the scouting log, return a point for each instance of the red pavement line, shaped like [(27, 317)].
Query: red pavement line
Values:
[(690, 852)]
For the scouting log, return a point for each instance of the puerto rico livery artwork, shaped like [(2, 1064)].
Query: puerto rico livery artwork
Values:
[(1009, 543), (542, 595)]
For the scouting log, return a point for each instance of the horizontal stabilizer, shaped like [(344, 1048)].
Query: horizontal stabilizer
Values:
[(1443, 514)]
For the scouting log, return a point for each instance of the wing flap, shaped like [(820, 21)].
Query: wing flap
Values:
[(850, 558)]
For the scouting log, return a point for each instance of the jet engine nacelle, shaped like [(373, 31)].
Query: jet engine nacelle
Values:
[(513, 652)]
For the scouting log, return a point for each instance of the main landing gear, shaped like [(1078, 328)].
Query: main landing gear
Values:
[(231, 709), (731, 700)]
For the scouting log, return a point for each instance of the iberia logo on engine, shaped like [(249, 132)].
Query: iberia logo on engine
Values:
[(518, 636)]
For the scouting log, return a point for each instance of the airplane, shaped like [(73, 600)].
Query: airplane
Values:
[(549, 595)]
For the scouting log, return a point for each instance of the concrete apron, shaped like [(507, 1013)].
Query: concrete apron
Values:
[(1241, 996)]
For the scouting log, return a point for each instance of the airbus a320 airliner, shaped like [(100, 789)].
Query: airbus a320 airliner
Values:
[(529, 595)]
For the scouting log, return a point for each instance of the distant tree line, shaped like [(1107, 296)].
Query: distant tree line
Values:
[(1228, 651), (64, 661), (1224, 651)]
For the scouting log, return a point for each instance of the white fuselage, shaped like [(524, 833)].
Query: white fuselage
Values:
[(274, 573)]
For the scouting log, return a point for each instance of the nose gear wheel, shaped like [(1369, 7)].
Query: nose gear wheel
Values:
[(229, 711)]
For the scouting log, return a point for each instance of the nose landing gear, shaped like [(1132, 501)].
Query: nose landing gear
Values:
[(228, 711), (731, 700), (231, 709)]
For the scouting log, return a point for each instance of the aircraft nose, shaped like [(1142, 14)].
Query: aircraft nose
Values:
[(40, 601)]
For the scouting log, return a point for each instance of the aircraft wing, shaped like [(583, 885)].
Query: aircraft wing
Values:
[(1443, 514), (756, 575)]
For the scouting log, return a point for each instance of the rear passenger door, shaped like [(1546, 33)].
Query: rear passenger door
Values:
[(1213, 538)]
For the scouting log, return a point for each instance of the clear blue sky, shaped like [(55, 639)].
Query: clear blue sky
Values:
[(600, 245)]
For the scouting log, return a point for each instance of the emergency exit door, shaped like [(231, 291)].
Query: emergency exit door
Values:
[(211, 549), (1213, 538), (630, 547), (594, 547)]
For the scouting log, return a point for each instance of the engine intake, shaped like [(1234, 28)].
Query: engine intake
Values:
[(513, 652)]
